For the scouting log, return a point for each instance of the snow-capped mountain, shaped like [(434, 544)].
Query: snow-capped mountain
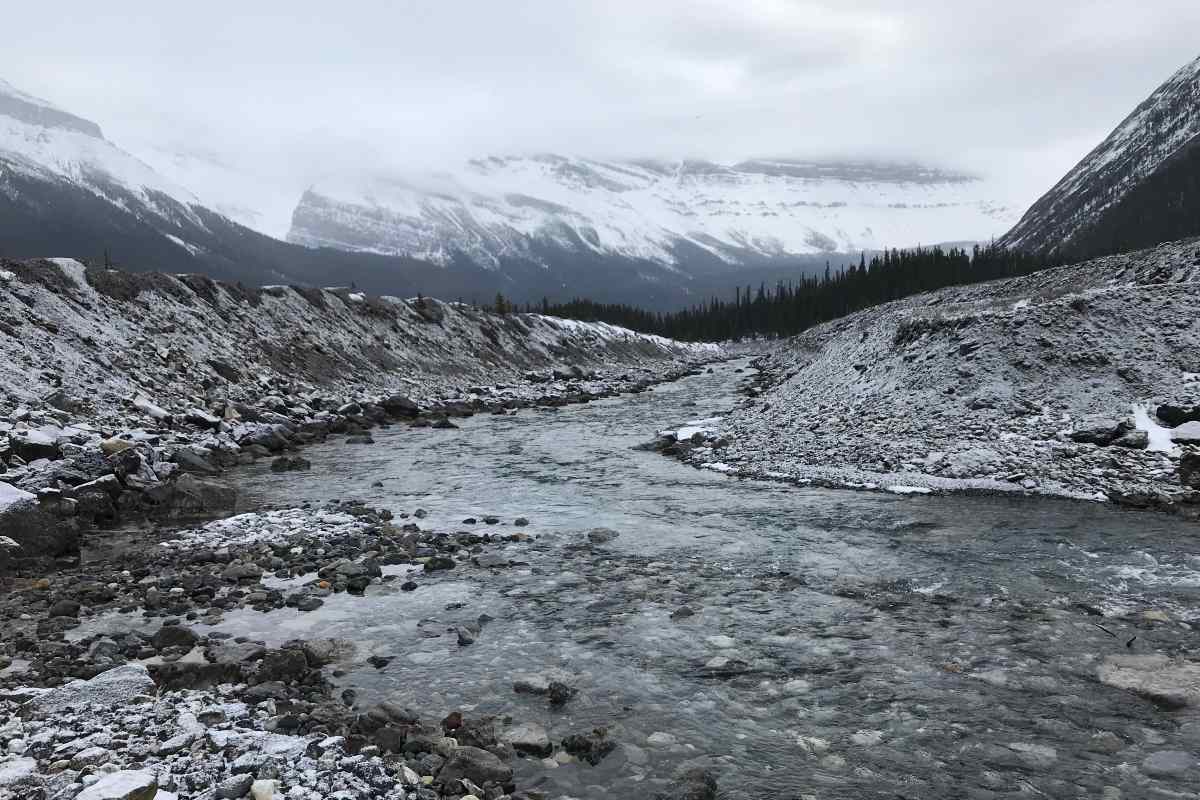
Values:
[(41, 141), (65, 190), (1139, 187), (669, 214)]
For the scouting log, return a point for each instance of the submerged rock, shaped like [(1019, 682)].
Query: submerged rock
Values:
[(478, 766), (290, 464), (1165, 682)]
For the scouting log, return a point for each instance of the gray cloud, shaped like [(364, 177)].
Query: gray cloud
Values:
[(1020, 89)]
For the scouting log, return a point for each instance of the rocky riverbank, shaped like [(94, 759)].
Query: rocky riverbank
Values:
[(128, 395), (115, 686), (1079, 382)]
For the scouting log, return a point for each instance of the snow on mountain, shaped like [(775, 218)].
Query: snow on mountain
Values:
[(43, 142), (494, 208), (1159, 130)]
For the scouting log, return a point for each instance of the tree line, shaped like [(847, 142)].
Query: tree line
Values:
[(789, 308)]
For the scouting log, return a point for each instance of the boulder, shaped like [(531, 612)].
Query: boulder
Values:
[(477, 766), (1174, 415), (110, 447), (174, 636), (321, 652), (272, 437), (1134, 440), (123, 785), (529, 738), (590, 747), (195, 461), (32, 527), (201, 496), (201, 418), (1101, 432), (282, 665), (112, 689), (400, 406), (32, 445)]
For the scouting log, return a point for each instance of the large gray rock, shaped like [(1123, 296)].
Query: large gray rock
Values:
[(529, 737), (400, 406), (111, 689), (1101, 432), (36, 531), (32, 445), (320, 652), (123, 785), (174, 636), (478, 766), (191, 495)]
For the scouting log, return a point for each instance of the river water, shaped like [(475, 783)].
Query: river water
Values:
[(842, 645)]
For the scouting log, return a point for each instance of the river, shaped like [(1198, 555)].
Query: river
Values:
[(843, 644)]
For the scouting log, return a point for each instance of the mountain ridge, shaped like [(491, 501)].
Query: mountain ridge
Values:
[(1088, 212)]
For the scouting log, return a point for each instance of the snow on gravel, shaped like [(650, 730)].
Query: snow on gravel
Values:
[(981, 387), (107, 337), (269, 527)]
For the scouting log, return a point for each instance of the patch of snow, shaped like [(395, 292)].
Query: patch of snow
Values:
[(898, 489), (1160, 437)]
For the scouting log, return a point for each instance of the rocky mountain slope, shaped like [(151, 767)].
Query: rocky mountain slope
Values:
[(670, 221), (1081, 381), (1139, 187)]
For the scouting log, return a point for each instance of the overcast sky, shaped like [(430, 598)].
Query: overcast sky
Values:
[(1020, 89)]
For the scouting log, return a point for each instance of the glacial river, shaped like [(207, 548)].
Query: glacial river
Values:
[(842, 645)]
